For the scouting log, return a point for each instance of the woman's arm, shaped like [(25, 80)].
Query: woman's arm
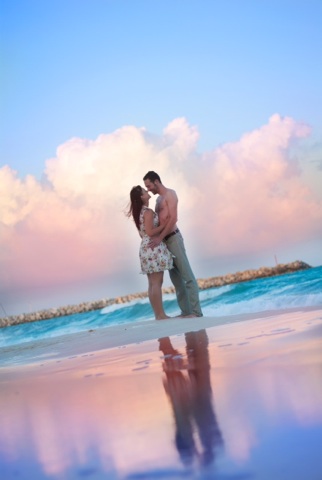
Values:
[(150, 229)]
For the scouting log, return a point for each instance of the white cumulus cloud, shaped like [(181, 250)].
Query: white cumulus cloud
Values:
[(241, 197)]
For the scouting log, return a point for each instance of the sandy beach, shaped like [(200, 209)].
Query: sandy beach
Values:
[(195, 398)]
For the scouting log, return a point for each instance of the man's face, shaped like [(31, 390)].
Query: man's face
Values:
[(151, 186)]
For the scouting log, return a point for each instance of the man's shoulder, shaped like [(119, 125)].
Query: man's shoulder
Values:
[(170, 192), (167, 196)]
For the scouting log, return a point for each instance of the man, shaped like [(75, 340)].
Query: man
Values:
[(181, 274)]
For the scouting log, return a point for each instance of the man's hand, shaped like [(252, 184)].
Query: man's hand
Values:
[(154, 242)]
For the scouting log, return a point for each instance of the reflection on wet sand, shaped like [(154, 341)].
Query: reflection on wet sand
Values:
[(105, 414), (188, 387)]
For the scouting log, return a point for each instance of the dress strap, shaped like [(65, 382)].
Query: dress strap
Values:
[(144, 208)]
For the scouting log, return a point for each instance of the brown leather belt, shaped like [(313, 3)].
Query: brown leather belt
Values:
[(171, 234)]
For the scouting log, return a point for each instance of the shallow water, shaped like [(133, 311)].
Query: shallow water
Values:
[(192, 406)]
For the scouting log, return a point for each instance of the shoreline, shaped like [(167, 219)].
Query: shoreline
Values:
[(204, 284), (126, 336)]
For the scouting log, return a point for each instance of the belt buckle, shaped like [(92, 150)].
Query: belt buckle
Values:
[(171, 234)]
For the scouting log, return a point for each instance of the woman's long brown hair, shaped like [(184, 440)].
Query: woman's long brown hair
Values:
[(136, 205)]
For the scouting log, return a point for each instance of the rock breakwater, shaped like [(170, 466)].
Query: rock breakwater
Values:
[(204, 284)]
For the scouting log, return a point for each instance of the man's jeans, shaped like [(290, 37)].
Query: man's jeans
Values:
[(183, 279)]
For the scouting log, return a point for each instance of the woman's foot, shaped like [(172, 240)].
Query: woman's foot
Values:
[(163, 317)]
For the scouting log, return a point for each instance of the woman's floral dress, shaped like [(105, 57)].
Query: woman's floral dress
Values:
[(155, 259)]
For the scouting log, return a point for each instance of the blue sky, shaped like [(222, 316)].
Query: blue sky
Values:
[(223, 98), (80, 68)]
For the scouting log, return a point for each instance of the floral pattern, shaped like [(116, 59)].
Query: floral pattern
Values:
[(155, 259)]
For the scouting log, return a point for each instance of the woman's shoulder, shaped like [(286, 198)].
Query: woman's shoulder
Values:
[(147, 209)]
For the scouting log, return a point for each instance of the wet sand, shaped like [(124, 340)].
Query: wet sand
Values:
[(195, 398)]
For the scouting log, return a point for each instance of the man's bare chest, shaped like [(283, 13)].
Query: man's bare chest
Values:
[(161, 207)]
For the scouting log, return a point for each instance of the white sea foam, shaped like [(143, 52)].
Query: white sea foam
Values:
[(262, 304), (214, 292)]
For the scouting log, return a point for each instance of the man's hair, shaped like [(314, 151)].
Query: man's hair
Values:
[(152, 176)]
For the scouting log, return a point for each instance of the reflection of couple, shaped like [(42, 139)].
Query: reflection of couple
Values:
[(162, 247), (191, 398)]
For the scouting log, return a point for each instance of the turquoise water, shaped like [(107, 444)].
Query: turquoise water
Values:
[(295, 290)]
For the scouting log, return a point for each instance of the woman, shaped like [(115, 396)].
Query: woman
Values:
[(153, 261)]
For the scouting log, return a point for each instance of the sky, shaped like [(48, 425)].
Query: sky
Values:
[(222, 98)]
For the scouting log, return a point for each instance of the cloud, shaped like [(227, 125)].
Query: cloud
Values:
[(255, 194), (241, 197)]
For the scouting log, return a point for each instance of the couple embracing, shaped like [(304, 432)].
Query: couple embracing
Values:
[(162, 247)]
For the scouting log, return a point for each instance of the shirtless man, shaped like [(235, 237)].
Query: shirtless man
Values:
[(181, 274)]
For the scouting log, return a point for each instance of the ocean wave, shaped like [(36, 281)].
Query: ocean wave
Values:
[(296, 290), (119, 306)]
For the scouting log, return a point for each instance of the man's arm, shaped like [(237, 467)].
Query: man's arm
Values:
[(148, 222)]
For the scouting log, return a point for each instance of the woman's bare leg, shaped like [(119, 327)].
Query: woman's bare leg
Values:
[(155, 294)]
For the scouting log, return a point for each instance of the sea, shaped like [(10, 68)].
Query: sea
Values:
[(294, 290)]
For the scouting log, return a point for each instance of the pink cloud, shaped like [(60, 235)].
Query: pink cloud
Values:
[(255, 194), (241, 197)]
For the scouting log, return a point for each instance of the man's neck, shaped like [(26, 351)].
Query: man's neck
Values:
[(162, 189)]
